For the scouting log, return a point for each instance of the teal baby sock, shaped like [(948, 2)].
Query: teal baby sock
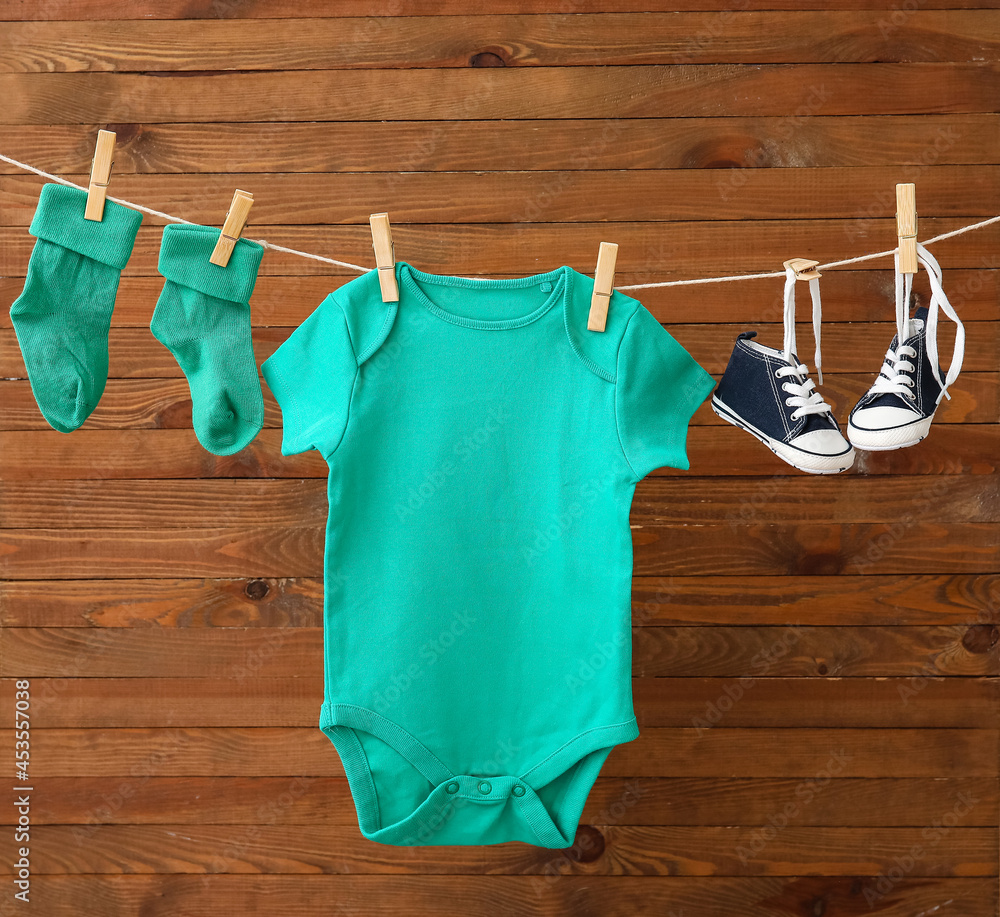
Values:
[(63, 315), (203, 318)]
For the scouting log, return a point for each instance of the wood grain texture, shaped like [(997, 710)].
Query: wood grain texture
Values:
[(713, 450), (909, 544), (553, 895), (82, 10), (186, 504), (908, 143), (654, 195), (722, 752), (81, 697), (737, 652), (297, 601), (147, 799), (683, 90), (585, 39), (645, 248), (625, 851), (816, 661)]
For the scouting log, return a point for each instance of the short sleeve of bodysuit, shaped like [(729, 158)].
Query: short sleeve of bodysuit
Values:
[(659, 386), (312, 376)]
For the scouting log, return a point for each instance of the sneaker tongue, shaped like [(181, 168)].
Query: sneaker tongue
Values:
[(916, 323), (816, 422), (891, 400)]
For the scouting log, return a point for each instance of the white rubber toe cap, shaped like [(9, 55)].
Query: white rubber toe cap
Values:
[(822, 442), (908, 433), (883, 417)]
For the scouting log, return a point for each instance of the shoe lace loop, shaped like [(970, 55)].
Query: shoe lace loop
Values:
[(894, 376), (804, 396)]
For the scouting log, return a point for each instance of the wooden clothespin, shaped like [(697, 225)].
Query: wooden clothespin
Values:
[(100, 175), (604, 281), (232, 229), (385, 256), (906, 226), (803, 268)]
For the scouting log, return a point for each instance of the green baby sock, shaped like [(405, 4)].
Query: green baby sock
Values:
[(203, 318), (63, 315)]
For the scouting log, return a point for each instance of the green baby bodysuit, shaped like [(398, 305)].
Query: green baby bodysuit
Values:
[(483, 450)]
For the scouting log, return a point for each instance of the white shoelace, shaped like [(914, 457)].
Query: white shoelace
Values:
[(894, 377), (940, 300), (790, 281), (804, 396)]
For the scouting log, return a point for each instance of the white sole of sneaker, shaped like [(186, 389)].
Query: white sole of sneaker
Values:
[(893, 438), (803, 461)]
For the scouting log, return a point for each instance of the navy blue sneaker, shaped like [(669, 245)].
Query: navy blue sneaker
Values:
[(773, 398), (898, 409)]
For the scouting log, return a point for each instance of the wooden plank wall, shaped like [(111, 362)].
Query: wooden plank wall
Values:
[(816, 659)]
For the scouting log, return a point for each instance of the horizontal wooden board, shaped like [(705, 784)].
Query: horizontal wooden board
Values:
[(684, 90), (740, 651), (910, 544), (903, 546), (815, 600), (786, 498), (502, 896), (908, 142), (163, 404), (927, 699), (604, 850), (917, 599), (145, 454), (720, 752), (139, 454), (838, 651), (315, 9), (848, 347), (281, 602), (169, 504), (592, 195), (500, 41), (647, 250), (93, 802), (232, 501)]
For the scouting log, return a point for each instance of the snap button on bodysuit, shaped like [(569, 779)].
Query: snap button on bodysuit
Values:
[(451, 787), (518, 790), (485, 787)]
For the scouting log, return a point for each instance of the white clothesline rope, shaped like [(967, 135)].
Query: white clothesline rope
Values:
[(634, 286)]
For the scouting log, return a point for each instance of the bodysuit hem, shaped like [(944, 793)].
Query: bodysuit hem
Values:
[(338, 722)]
